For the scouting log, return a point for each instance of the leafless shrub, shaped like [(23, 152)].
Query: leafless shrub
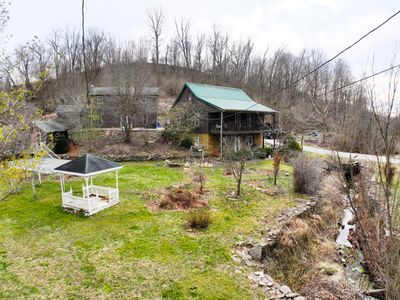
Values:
[(307, 175), (199, 178), (276, 164), (180, 198), (296, 232)]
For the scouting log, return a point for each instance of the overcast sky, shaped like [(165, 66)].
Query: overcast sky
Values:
[(328, 25)]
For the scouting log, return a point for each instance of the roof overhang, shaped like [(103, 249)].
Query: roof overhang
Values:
[(87, 174)]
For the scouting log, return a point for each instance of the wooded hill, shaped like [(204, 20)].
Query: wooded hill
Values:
[(317, 102)]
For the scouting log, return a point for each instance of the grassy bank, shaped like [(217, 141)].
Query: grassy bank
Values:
[(127, 251)]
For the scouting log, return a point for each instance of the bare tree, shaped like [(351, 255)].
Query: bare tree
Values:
[(24, 62), (73, 51), (218, 47), (129, 78), (95, 42), (236, 161), (156, 23), (199, 50), (112, 51), (184, 40), (56, 51)]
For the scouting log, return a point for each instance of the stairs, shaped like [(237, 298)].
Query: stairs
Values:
[(47, 150)]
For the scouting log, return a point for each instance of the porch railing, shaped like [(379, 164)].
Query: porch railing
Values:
[(235, 127)]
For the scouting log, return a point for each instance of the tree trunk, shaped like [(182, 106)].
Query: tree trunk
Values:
[(238, 187), (127, 138)]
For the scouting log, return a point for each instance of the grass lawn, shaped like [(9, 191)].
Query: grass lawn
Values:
[(127, 251)]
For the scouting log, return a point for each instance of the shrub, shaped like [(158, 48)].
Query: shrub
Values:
[(307, 175), (263, 152), (199, 218), (187, 142), (289, 144)]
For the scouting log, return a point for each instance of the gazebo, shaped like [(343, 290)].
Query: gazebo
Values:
[(94, 197)]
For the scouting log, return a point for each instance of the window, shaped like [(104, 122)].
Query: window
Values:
[(145, 119), (190, 98)]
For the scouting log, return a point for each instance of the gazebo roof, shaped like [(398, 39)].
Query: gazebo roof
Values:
[(87, 165)]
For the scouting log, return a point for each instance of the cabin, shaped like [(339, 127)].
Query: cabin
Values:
[(108, 107), (226, 115)]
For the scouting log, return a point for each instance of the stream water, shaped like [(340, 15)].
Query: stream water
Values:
[(355, 272)]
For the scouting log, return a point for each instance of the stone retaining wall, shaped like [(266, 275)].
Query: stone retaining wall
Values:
[(252, 255), (139, 136)]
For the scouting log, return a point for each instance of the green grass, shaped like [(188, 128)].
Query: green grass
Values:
[(127, 251)]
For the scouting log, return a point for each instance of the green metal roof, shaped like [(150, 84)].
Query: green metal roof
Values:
[(226, 98)]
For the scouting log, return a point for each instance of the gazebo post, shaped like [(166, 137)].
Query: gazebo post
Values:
[(62, 183), (88, 195), (87, 187), (116, 182)]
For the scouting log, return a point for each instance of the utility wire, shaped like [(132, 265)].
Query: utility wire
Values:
[(351, 83), (336, 56), (364, 78), (329, 60), (335, 89)]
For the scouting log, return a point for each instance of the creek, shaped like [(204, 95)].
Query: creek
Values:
[(355, 273)]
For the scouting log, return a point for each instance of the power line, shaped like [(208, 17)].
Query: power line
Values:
[(364, 78), (337, 55), (329, 60), (352, 83), (334, 90)]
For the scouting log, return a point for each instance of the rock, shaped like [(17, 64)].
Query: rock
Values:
[(259, 273), (248, 262), (257, 252), (252, 277), (285, 289), (236, 259), (279, 296), (270, 284), (268, 278), (291, 295), (300, 298)]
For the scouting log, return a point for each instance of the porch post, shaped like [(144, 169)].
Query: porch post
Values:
[(220, 134), (273, 128)]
